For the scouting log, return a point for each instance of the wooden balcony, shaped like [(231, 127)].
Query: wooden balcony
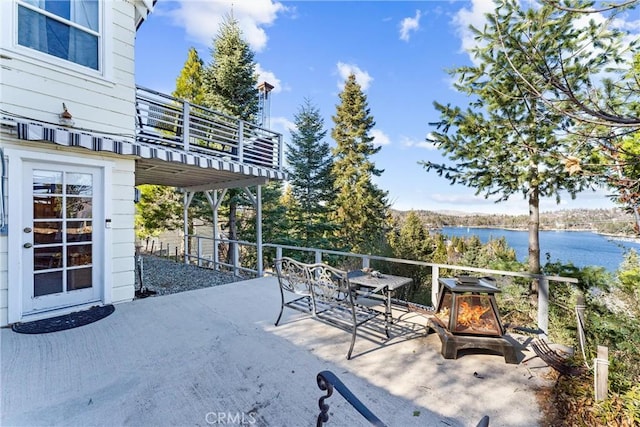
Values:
[(238, 150)]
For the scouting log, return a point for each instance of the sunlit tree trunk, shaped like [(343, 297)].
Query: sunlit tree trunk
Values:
[(534, 236)]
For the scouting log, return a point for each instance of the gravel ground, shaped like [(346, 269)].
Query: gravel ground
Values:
[(164, 276)]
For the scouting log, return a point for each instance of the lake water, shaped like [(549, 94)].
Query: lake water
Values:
[(578, 247)]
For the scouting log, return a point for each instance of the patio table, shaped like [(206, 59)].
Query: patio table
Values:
[(384, 284)]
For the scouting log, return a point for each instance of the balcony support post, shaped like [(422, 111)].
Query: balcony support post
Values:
[(259, 228), (236, 257), (214, 202), (187, 198)]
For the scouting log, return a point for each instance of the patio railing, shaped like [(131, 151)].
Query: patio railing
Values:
[(207, 254), (175, 123)]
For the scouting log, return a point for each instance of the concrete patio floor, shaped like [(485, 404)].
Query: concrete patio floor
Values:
[(214, 357)]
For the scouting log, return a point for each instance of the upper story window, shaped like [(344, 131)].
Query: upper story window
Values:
[(67, 29)]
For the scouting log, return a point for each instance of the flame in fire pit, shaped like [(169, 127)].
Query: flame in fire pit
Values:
[(470, 315)]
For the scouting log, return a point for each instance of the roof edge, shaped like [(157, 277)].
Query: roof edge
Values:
[(143, 8)]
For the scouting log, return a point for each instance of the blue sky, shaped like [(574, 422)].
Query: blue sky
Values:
[(399, 51)]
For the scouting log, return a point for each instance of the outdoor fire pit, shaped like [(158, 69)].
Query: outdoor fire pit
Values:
[(467, 317)]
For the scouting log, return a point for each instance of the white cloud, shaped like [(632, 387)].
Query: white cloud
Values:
[(475, 16), (269, 77), (282, 125), (201, 19), (408, 25), (362, 77), (419, 143), (380, 138), (463, 199)]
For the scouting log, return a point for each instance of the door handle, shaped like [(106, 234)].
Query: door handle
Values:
[(27, 245)]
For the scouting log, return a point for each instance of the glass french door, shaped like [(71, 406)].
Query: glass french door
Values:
[(63, 212)]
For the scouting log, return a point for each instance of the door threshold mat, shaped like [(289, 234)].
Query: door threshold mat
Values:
[(66, 321)]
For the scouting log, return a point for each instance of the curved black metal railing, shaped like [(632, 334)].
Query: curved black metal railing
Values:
[(328, 381)]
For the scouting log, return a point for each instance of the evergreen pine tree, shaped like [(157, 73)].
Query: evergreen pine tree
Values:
[(160, 207), (230, 86), (507, 141), (230, 81), (189, 85), (412, 241), (309, 168), (360, 207)]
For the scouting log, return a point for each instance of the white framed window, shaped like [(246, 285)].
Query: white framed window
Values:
[(67, 29)]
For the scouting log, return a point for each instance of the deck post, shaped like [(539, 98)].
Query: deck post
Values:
[(366, 262), (216, 234), (435, 285), (259, 229), (185, 224), (236, 258), (601, 373), (543, 306), (199, 250), (240, 141), (280, 152), (214, 202), (186, 107)]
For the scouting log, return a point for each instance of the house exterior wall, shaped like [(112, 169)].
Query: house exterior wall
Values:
[(33, 86), (4, 279), (119, 277)]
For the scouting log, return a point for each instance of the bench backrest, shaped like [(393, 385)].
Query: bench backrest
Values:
[(293, 276), (330, 285)]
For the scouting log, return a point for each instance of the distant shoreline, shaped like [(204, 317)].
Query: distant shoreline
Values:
[(620, 237)]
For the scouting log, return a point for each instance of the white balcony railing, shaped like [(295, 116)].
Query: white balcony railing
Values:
[(205, 253), (174, 123)]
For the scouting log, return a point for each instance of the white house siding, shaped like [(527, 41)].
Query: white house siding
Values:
[(4, 277), (120, 278), (36, 86), (4, 280), (122, 231)]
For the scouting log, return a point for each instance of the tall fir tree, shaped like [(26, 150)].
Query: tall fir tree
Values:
[(189, 84), (309, 159), (230, 85), (189, 87), (230, 80), (360, 207)]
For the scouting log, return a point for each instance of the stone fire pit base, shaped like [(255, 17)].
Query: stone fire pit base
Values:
[(451, 343)]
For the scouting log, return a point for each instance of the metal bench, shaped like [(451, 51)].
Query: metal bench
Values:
[(293, 278), (325, 293)]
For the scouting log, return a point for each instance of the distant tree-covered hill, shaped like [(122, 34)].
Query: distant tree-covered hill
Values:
[(606, 221)]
